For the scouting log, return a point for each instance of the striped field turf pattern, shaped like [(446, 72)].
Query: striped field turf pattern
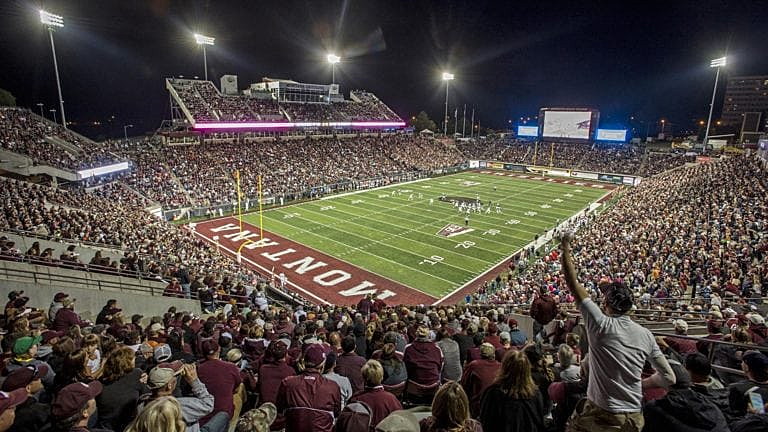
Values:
[(396, 237)]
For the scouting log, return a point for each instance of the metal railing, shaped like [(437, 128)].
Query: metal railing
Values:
[(53, 277)]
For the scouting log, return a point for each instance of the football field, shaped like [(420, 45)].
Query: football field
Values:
[(417, 233)]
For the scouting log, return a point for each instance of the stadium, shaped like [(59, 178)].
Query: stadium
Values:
[(310, 254)]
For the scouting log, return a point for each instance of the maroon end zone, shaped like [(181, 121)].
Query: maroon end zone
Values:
[(316, 276)]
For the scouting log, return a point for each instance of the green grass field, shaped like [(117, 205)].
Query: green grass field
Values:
[(397, 238)]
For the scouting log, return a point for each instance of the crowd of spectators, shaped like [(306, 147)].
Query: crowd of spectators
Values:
[(150, 247), (24, 132), (206, 103), (370, 367), (626, 159), (697, 231), (203, 175)]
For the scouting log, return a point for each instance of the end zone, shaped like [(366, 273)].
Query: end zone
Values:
[(321, 278)]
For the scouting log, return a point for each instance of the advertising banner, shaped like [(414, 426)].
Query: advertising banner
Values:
[(474, 164), (496, 165), (515, 167), (483, 164), (584, 175), (610, 178)]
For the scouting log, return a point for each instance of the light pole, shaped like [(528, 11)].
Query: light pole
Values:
[(54, 114), (715, 63), (51, 21), (41, 105), (447, 77), (203, 41), (663, 123), (125, 132), (333, 59)]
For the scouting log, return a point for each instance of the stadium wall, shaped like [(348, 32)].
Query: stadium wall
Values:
[(92, 290)]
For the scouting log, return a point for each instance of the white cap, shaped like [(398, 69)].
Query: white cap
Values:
[(680, 325)]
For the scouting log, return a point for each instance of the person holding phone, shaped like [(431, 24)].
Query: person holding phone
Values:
[(742, 394)]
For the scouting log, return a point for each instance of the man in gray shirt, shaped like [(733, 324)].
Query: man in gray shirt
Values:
[(618, 350), (449, 347)]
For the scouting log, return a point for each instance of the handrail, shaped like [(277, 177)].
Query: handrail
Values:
[(715, 341), (53, 278), (274, 294)]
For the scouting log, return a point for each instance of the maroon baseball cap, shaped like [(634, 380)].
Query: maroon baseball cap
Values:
[(60, 296), (73, 397), (209, 347), (512, 322), (21, 377), (314, 356), (48, 335), (11, 399)]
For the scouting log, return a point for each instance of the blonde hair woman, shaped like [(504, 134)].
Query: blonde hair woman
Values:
[(513, 402), (163, 414)]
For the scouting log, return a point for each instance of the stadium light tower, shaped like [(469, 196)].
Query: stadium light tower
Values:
[(203, 41), (715, 63), (447, 77), (333, 59), (51, 22), (125, 131)]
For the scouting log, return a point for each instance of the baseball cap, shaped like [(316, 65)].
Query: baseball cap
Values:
[(163, 353), (155, 327), (680, 325), (21, 377), (755, 360), (136, 317), (209, 347), (512, 322), (399, 421), (258, 419), (49, 335), (314, 355), (23, 344), (60, 296), (19, 302), (11, 399), (756, 319), (505, 336), (73, 397), (163, 373), (13, 294)]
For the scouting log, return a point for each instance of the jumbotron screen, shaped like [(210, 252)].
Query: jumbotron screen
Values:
[(567, 124), (527, 131)]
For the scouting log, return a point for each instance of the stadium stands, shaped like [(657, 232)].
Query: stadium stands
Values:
[(694, 231), (26, 133), (205, 104)]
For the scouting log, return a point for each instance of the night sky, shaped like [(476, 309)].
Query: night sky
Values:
[(644, 59)]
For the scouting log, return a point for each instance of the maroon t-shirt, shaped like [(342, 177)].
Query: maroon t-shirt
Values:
[(221, 379)]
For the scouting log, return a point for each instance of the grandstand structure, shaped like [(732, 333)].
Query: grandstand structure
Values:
[(278, 106)]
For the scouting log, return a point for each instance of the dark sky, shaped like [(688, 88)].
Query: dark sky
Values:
[(646, 59)]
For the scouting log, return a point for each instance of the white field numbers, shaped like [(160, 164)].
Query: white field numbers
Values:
[(465, 244), (434, 259)]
